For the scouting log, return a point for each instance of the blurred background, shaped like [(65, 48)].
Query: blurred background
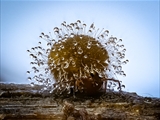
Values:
[(136, 22)]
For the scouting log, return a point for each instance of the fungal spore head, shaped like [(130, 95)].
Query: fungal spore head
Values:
[(86, 61)]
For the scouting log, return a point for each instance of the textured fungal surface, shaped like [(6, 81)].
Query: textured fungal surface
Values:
[(79, 58)]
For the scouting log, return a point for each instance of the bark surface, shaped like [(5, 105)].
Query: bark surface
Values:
[(24, 102)]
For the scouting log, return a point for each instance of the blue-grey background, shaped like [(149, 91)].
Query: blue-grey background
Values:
[(136, 22)]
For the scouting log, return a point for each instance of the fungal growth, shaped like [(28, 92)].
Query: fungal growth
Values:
[(78, 58)]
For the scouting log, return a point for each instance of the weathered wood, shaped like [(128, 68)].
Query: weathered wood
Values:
[(23, 102)]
